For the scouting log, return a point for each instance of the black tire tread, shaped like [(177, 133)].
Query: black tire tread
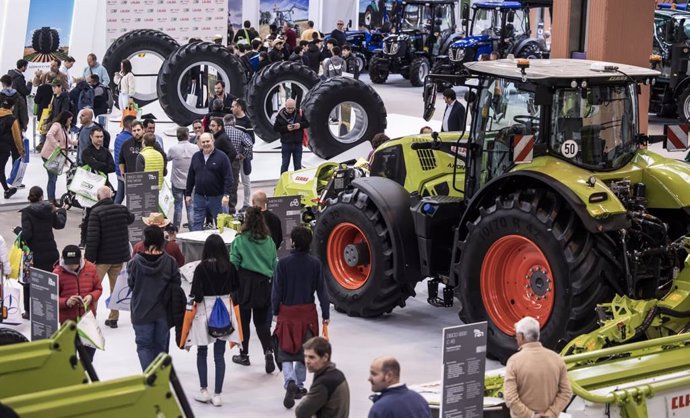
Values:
[(45, 40), (10, 336), (376, 75), (258, 89), (414, 71)]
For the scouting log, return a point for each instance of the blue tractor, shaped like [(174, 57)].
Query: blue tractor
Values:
[(502, 27), (364, 44), (424, 29)]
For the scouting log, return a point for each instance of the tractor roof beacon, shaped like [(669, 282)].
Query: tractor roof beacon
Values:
[(549, 205)]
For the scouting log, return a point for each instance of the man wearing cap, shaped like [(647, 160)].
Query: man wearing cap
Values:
[(210, 176), (78, 287), (276, 53), (107, 240), (169, 247)]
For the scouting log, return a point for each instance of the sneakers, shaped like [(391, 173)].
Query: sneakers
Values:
[(203, 396), (301, 393), (112, 323), (290, 393), (10, 192), (241, 359), (270, 364), (216, 401)]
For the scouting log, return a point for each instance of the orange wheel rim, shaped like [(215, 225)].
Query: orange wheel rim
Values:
[(349, 256), (516, 281)]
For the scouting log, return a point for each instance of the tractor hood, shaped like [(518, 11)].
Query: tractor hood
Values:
[(469, 41), (666, 180), (306, 183)]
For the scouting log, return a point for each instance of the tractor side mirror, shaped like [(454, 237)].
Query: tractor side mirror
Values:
[(349, 24), (676, 137), (669, 29), (511, 16)]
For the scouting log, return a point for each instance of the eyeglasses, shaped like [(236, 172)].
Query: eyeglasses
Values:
[(341, 24)]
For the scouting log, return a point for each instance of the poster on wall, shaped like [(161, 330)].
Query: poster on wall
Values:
[(48, 33), (374, 13), (277, 12), (180, 19)]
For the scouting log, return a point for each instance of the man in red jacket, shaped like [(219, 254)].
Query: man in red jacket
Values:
[(79, 287)]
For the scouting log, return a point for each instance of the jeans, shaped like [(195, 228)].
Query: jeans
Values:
[(218, 358), (262, 329), (295, 371), (120, 195), (52, 180), (152, 339), (294, 151), (247, 184), (178, 195), (205, 205), (236, 168)]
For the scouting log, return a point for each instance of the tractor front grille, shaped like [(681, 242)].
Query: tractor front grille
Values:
[(456, 54), (427, 160), (391, 48)]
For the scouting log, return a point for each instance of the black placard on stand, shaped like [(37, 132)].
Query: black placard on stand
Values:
[(44, 304), (288, 209), (464, 363), (141, 189)]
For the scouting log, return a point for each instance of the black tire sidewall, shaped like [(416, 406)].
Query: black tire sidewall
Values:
[(414, 71), (680, 104), (492, 227), (376, 73)]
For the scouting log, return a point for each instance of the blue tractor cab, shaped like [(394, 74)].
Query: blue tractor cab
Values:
[(502, 27), (672, 6)]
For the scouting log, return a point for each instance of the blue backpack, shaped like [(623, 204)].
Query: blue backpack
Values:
[(219, 324)]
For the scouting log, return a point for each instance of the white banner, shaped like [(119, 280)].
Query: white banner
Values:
[(180, 19)]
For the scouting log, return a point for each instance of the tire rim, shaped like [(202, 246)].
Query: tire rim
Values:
[(348, 122), (211, 81), (516, 280), (686, 108), (423, 71), (360, 62), (279, 94), (134, 58), (349, 256), (367, 19)]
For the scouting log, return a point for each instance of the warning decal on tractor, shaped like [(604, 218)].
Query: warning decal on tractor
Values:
[(523, 149), (676, 137), (570, 148)]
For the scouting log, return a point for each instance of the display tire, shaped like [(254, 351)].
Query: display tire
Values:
[(419, 69), (379, 293), (130, 44), (377, 74), (174, 67), (261, 85), (683, 104), (45, 40), (530, 51), (581, 264), (10, 336), (324, 97)]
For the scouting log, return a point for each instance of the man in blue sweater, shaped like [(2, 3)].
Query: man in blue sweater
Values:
[(210, 177), (395, 400), (120, 139)]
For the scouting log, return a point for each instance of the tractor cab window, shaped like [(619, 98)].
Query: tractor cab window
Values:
[(413, 17), (507, 113), (444, 18), (595, 127), (520, 22), (485, 22)]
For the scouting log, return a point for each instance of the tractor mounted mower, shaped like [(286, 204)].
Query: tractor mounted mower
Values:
[(550, 204)]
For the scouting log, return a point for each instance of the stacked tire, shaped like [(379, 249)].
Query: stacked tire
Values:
[(132, 44), (45, 40)]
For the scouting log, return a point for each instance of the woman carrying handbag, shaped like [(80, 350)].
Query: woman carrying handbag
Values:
[(56, 144), (214, 280)]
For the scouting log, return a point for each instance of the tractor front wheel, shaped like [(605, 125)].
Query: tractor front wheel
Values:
[(528, 254), (683, 105), (378, 70), (355, 246)]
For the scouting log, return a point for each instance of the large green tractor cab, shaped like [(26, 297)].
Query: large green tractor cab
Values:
[(550, 205)]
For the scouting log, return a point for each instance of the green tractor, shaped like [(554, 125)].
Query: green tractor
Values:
[(550, 205)]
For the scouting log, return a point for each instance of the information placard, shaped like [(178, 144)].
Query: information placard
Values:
[(464, 363), (141, 189), (44, 304), (288, 209)]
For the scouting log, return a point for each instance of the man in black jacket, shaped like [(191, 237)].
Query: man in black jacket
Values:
[(339, 33), (454, 115), (61, 101), (107, 240), (221, 140), (291, 123), (20, 84), (313, 54)]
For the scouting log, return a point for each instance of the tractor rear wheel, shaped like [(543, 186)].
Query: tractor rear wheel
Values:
[(353, 239), (419, 69), (683, 105), (377, 72), (528, 254)]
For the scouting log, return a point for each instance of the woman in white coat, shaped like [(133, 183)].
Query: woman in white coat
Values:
[(125, 84), (214, 278)]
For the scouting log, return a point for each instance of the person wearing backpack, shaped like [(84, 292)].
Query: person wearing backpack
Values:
[(333, 66), (102, 98), (214, 279)]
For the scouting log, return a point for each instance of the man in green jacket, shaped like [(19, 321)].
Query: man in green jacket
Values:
[(329, 394)]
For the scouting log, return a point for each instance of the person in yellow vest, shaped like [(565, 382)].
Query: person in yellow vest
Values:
[(150, 159)]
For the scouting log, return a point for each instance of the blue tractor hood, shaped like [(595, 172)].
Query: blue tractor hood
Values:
[(469, 41)]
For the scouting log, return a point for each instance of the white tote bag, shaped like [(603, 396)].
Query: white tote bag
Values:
[(121, 297), (89, 332), (166, 200), (86, 184), (192, 96), (11, 299)]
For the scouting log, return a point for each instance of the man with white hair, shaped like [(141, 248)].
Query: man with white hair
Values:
[(536, 382)]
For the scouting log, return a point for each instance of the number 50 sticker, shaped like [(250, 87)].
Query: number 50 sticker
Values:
[(570, 148)]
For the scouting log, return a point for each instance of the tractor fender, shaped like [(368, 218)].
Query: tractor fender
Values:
[(393, 201), (523, 43), (680, 87)]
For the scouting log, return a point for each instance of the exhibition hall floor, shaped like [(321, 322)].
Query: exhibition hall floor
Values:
[(411, 334)]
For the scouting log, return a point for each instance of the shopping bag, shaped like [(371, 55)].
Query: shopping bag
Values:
[(11, 301), (86, 183), (89, 332), (121, 297), (16, 257), (237, 336), (44, 120), (186, 327), (166, 200), (192, 97), (19, 167), (131, 110), (56, 162)]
